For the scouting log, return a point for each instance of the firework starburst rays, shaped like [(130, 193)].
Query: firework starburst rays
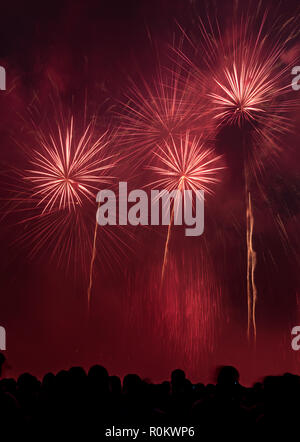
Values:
[(157, 111), (247, 91), (245, 73), (65, 171), (186, 164), (244, 95)]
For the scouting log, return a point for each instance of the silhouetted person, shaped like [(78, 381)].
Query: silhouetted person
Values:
[(133, 398), (181, 395), (98, 379), (99, 402), (178, 381), (132, 385), (74, 401)]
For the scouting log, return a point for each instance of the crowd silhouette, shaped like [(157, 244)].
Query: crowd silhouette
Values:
[(75, 400)]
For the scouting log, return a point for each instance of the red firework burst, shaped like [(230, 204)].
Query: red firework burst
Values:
[(246, 76), (252, 84), (57, 191), (66, 169), (186, 164), (158, 111)]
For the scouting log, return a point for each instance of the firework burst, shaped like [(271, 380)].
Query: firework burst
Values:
[(244, 93), (184, 165), (253, 88), (55, 193), (155, 112), (65, 170), (247, 82), (246, 78)]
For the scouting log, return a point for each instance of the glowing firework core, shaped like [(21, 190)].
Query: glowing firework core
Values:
[(186, 164), (244, 93), (66, 171)]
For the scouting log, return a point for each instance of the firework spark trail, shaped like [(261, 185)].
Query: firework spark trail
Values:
[(165, 260), (251, 255), (90, 286), (166, 252), (184, 164), (251, 266), (251, 262)]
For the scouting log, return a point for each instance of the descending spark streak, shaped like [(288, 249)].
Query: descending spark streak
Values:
[(251, 264), (251, 261), (249, 292), (89, 291), (165, 260), (166, 248)]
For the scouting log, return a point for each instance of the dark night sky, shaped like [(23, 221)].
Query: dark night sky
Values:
[(93, 48)]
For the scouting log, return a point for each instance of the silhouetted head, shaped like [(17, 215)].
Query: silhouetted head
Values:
[(132, 384), (97, 372), (177, 377), (48, 381), (228, 376), (199, 389), (98, 378), (9, 385), (77, 378), (115, 385), (77, 373), (27, 383), (62, 381), (178, 381)]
